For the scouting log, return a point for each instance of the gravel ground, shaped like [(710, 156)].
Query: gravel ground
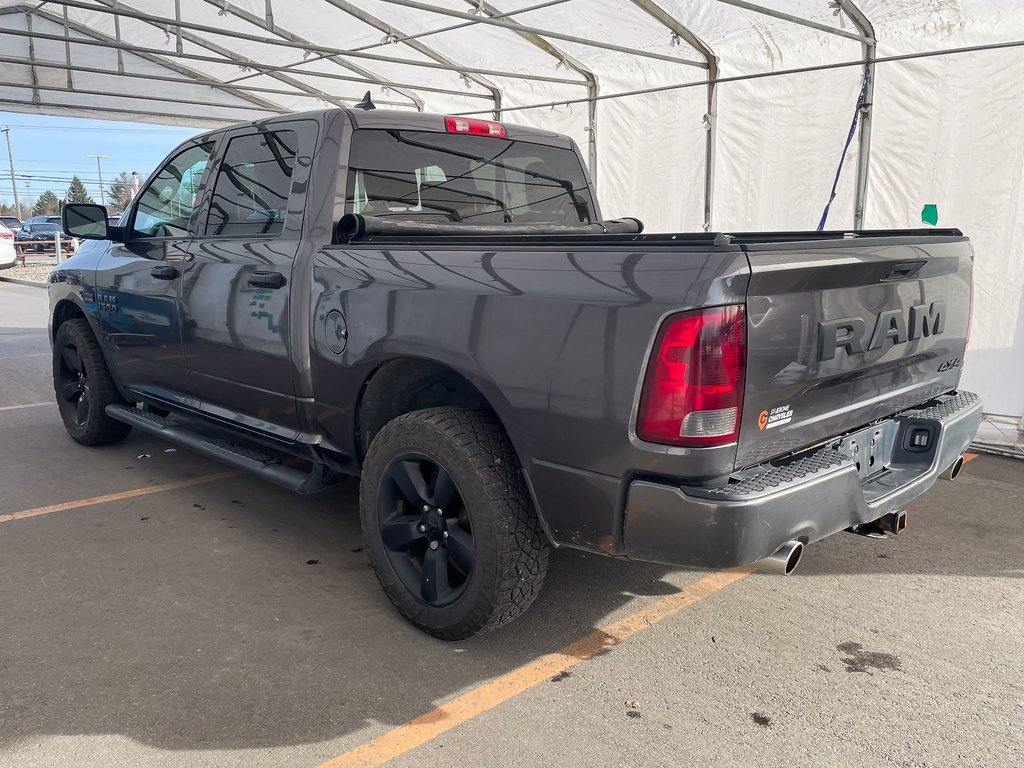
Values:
[(35, 272)]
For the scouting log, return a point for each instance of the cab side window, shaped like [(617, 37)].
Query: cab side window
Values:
[(250, 196), (165, 205)]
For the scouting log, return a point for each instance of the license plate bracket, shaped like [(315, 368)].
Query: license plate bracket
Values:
[(870, 448)]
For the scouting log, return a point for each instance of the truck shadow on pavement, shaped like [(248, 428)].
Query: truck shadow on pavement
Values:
[(235, 615)]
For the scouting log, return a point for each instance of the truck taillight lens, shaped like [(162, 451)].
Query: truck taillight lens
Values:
[(474, 127), (693, 391)]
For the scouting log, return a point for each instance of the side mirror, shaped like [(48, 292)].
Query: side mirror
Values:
[(85, 221)]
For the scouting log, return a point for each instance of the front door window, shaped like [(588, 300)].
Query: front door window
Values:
[(165, 205)]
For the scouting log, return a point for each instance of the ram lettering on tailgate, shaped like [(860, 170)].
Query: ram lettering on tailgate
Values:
[(850, 333)]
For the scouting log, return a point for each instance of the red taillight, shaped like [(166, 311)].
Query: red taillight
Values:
[(693, 390), (6, 235), (474, 127)]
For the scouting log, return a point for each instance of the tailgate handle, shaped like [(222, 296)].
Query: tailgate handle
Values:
[(904, 270)]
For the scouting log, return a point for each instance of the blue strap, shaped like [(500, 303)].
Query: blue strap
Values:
[(846, 147)]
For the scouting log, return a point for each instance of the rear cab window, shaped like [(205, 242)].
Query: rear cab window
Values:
[(465, 179)]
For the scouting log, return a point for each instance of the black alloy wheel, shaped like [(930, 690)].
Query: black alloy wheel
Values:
[(426, 529), (73, 385), (449, 523), (83, 386)]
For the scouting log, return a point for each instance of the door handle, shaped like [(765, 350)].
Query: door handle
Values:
[(164, 272), (267, 280)]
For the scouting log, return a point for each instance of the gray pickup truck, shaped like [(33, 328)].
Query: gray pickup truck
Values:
[(436, 305)]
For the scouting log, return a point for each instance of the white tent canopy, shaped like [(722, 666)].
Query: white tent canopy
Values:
[(727, 151)]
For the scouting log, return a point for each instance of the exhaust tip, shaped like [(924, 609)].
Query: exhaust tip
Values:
[(783, 561), (900, 522), (954, 469)]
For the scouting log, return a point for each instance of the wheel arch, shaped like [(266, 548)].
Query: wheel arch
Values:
[(403, 384), (64, 310), (69, 307)]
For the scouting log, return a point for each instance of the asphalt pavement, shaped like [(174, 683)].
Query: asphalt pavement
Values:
[(158, 610)]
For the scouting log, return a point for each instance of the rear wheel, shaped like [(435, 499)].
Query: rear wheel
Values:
[(449, 524), (83, 386)]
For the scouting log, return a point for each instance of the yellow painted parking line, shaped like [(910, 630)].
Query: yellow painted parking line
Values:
[(115, 496), (25, 405), (428, 726)]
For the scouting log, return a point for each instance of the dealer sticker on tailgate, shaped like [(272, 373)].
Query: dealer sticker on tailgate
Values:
[(776, 417)]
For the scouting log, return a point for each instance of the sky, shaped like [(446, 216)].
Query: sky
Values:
[(48, 151)]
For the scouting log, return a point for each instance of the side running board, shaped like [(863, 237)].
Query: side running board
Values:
[(268, 467)]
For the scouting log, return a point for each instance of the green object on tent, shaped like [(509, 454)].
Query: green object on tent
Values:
[(930, 214)]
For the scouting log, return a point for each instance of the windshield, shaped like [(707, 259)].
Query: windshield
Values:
[(45, 228), (446, 177)]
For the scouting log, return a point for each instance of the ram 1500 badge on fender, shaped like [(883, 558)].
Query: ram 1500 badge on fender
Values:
[(437, 306)]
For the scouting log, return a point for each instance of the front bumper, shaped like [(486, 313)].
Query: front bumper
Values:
[(807, 497)]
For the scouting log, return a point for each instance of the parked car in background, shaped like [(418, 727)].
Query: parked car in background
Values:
[(47, 219), (13, 223), (39, 236), (8, 256)]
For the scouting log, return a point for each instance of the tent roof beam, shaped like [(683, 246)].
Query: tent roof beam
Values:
[(367, 75), (99, 39), (164, 23), (421, 48), (232, 57), (506, 24), (798, 20)]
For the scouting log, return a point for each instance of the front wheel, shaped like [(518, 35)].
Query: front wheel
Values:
[(449, 524), (83, 386)]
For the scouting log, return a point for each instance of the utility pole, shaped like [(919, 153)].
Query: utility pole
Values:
[(99, 172), (10, 159)]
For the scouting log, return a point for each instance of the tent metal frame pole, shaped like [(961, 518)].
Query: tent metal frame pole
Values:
[(101, 40), (504, 24), (863, 23), (34, 73), (422, 48), (67, 50), (117, 36), (415, 36), (151, 54), (163, 23), (463, 25), (799, 20), (192, 120), (128, 96), (370, 77), (678, 29), (232, 56), (573, 64), (194, 81)]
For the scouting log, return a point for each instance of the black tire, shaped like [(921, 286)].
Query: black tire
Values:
[(490, 503), (83, 387)]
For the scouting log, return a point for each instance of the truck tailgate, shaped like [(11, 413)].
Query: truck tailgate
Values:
[(846, 331)]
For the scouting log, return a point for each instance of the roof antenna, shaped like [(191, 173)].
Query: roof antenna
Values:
[(366, 103)]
